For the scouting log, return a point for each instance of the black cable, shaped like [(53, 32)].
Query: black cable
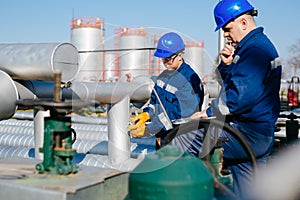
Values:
[(198, 124)]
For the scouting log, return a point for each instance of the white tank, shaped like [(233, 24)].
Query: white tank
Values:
[(156, 62), (87, 34), (132, 63), (110, 73), (194, 56)]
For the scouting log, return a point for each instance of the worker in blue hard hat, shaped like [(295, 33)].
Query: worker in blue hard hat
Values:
[(250, 72), (178, 92)]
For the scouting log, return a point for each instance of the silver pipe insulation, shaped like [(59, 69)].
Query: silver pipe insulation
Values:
[(89, 120), (9, 95), (78, 121), (104, 162), (22, 140), (15, 133), (119, 96), (84, 132), (11, 129), (39, 61), (118, 138), (10, 122), (81, 159), (91, 146), (90, 128), (38, 121), (14, 139), (111, 93), (14, 151), (32, 62)]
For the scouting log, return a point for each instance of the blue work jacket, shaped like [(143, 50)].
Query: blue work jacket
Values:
[(181, 94), (250, 85)]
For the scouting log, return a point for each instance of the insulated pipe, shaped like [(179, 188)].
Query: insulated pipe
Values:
[(81, 146), (118, 138), (12, 129), (81, 159), (31, 89), (88, 120), (104, 162), (39, 131), (9, 95), (38, 61), (114, 92), (13, 151), (15, 139), (83, 120), (84, 131), (139, 91), (90, 146), (10, 122), (212, 89)]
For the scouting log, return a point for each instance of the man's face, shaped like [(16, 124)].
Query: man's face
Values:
[(233, 32), (173, 62)]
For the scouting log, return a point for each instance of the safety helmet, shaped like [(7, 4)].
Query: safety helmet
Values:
[(169, 44), (227, 10)]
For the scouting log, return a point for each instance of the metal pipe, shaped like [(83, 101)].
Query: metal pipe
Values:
[(24, 130), (12, 139), (84, 131), (9, 96), (118, 138), (82, 145), (114, 92), (77, 120), (81, 159), (39, 116), (57, 85), (13, 151), (31, 89), (104, 162), (38, 61), (89, 120), (10, 122)]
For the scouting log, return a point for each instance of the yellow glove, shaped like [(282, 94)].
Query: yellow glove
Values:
[(140, 119), (139, 131)]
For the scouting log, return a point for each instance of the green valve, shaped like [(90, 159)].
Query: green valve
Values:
[(169, 174), (57, 148)]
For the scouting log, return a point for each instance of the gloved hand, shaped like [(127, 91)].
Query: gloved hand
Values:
[(139, 130), (140, 118)]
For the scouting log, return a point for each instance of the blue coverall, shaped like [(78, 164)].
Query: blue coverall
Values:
[(250, 97), (181, 94)]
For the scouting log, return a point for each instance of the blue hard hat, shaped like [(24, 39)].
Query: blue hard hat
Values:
[(227, 10), (169, 44)]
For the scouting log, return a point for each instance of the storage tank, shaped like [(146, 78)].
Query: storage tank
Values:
[(194, 56), (110, 73), (156, 62), (132, 62), (87, 34)]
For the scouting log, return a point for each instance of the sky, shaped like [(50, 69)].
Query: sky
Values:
[(39, 21)]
